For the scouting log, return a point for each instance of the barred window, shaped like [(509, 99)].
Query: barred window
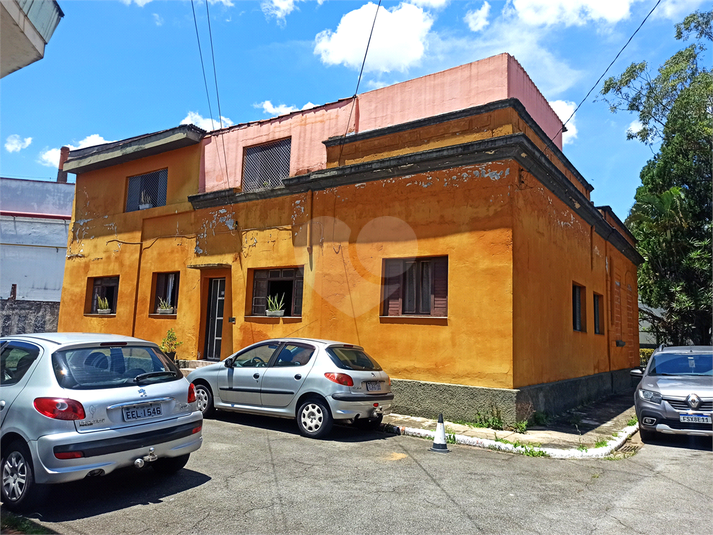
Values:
[(416, 286), (285, 285), (598, 314), (147, 191), (104, 288), (166, 297), (264, 166), (578, 308)]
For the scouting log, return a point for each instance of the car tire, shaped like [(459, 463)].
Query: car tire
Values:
[(170, 465), (204, 400), (371, 424), (314, 418), (18, 483), (646, 435)]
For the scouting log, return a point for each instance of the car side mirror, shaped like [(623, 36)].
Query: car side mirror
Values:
[(228, 363), (637, 372)]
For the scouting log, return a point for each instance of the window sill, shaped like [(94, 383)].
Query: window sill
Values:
[(95, 315), (273, 319), (415, 320), (580, 332), (165, 316)]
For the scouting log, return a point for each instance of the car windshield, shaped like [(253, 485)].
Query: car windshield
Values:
[(110, 367), (352, 358), (681, 364)]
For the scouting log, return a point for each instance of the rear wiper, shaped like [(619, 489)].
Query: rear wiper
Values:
[(150, 375)]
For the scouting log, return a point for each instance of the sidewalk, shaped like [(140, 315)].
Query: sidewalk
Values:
[(592, 431)]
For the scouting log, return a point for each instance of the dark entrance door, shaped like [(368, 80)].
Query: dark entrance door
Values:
[(214, 324)]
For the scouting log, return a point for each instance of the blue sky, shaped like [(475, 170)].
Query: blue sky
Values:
[(119, 68)]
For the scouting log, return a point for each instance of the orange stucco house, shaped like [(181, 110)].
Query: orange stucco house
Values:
[(435, 222)]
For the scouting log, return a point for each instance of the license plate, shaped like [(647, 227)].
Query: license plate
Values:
[(141, 412), (695, 418), (372, 386)]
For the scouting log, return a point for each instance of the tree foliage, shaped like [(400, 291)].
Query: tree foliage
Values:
[(671, 217)]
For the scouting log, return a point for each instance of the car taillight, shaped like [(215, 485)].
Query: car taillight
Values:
[(60, 408), (340, 378), (196, 429), (191, 393), (69, 454)]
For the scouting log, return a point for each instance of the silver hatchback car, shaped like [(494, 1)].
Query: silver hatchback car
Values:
[(675, 395), (76, 405), (314, 381)]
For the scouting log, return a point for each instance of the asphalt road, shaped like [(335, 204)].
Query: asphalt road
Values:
[(256, 475)]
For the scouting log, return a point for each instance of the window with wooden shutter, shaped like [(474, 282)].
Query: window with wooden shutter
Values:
[(284, 284), (416, 286)]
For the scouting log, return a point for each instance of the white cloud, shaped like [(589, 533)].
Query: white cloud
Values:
[(309, 106), (15, 143), (205, 123), (478, 19), (158, 20), (676, 10), (634, 127), (430, 4), (278, 9), (50, 157), (571, 12), (564, 109), (140, 3), (399, 40)]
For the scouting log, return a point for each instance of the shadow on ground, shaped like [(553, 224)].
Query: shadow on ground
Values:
[(341, 432), (119, 490)]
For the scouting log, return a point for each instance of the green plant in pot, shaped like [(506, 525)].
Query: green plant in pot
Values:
[(275, 307), (170, 344), (103, 305), (164, 307)]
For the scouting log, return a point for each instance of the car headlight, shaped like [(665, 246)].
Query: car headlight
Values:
[(649, 395)]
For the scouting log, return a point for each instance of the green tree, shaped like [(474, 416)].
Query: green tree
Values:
[(671, 217)]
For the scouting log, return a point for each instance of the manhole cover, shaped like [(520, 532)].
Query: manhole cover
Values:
[(629, 448)]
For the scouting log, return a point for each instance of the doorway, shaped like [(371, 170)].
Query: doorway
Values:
[(214, 323)]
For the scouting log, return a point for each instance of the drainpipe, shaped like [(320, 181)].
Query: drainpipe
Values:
[(136, 292), (309, 222)]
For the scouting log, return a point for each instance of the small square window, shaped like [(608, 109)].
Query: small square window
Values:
[(283, 285), (598, 314), (416, 286), (578, 308), (105, 291), (147, 191), (166, 298)]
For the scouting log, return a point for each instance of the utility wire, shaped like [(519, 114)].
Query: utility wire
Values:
[(607, 70), (361, 71), (200, 53), (217, 94)]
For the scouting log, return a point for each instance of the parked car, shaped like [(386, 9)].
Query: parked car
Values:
[(76, 405), (675, 395), (314, 381)]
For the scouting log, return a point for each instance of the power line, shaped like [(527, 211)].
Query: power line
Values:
[(607, 70), (217, 94), (361, 71), (200, 53)]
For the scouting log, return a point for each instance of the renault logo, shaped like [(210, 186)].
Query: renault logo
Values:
[(693, 401)]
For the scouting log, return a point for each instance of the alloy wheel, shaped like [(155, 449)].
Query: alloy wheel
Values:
[(312, 417), (201, 399), (14, 476)]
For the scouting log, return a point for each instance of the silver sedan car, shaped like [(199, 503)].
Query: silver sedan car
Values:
[(675, 395), (314, 381), (76, 405)]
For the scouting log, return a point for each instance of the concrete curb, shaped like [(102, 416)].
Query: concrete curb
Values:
[(555, 453)]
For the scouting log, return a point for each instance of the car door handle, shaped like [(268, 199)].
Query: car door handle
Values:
[(256, 376), (298, 377)]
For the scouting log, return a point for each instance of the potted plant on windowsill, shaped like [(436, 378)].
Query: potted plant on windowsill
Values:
[(164, 307), (275, 307), (103, 306), (170, 344), (145, 201)]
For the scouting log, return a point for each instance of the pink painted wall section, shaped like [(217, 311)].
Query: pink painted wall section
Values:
[(521, 87), (488, 80), (306, 128)]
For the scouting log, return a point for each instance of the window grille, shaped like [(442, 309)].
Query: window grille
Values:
[(265, 166), (147, 191), (578, 322), (167, 289)]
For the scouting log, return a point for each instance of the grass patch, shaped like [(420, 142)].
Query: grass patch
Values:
[(632, 421), (601, 443), (529, 450), (539, 418), (450, 438), (10, 521), (520, 427), (582, 447)]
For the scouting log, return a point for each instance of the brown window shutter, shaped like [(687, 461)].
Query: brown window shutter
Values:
[(440, 287), (392, 290), (259, 293)]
